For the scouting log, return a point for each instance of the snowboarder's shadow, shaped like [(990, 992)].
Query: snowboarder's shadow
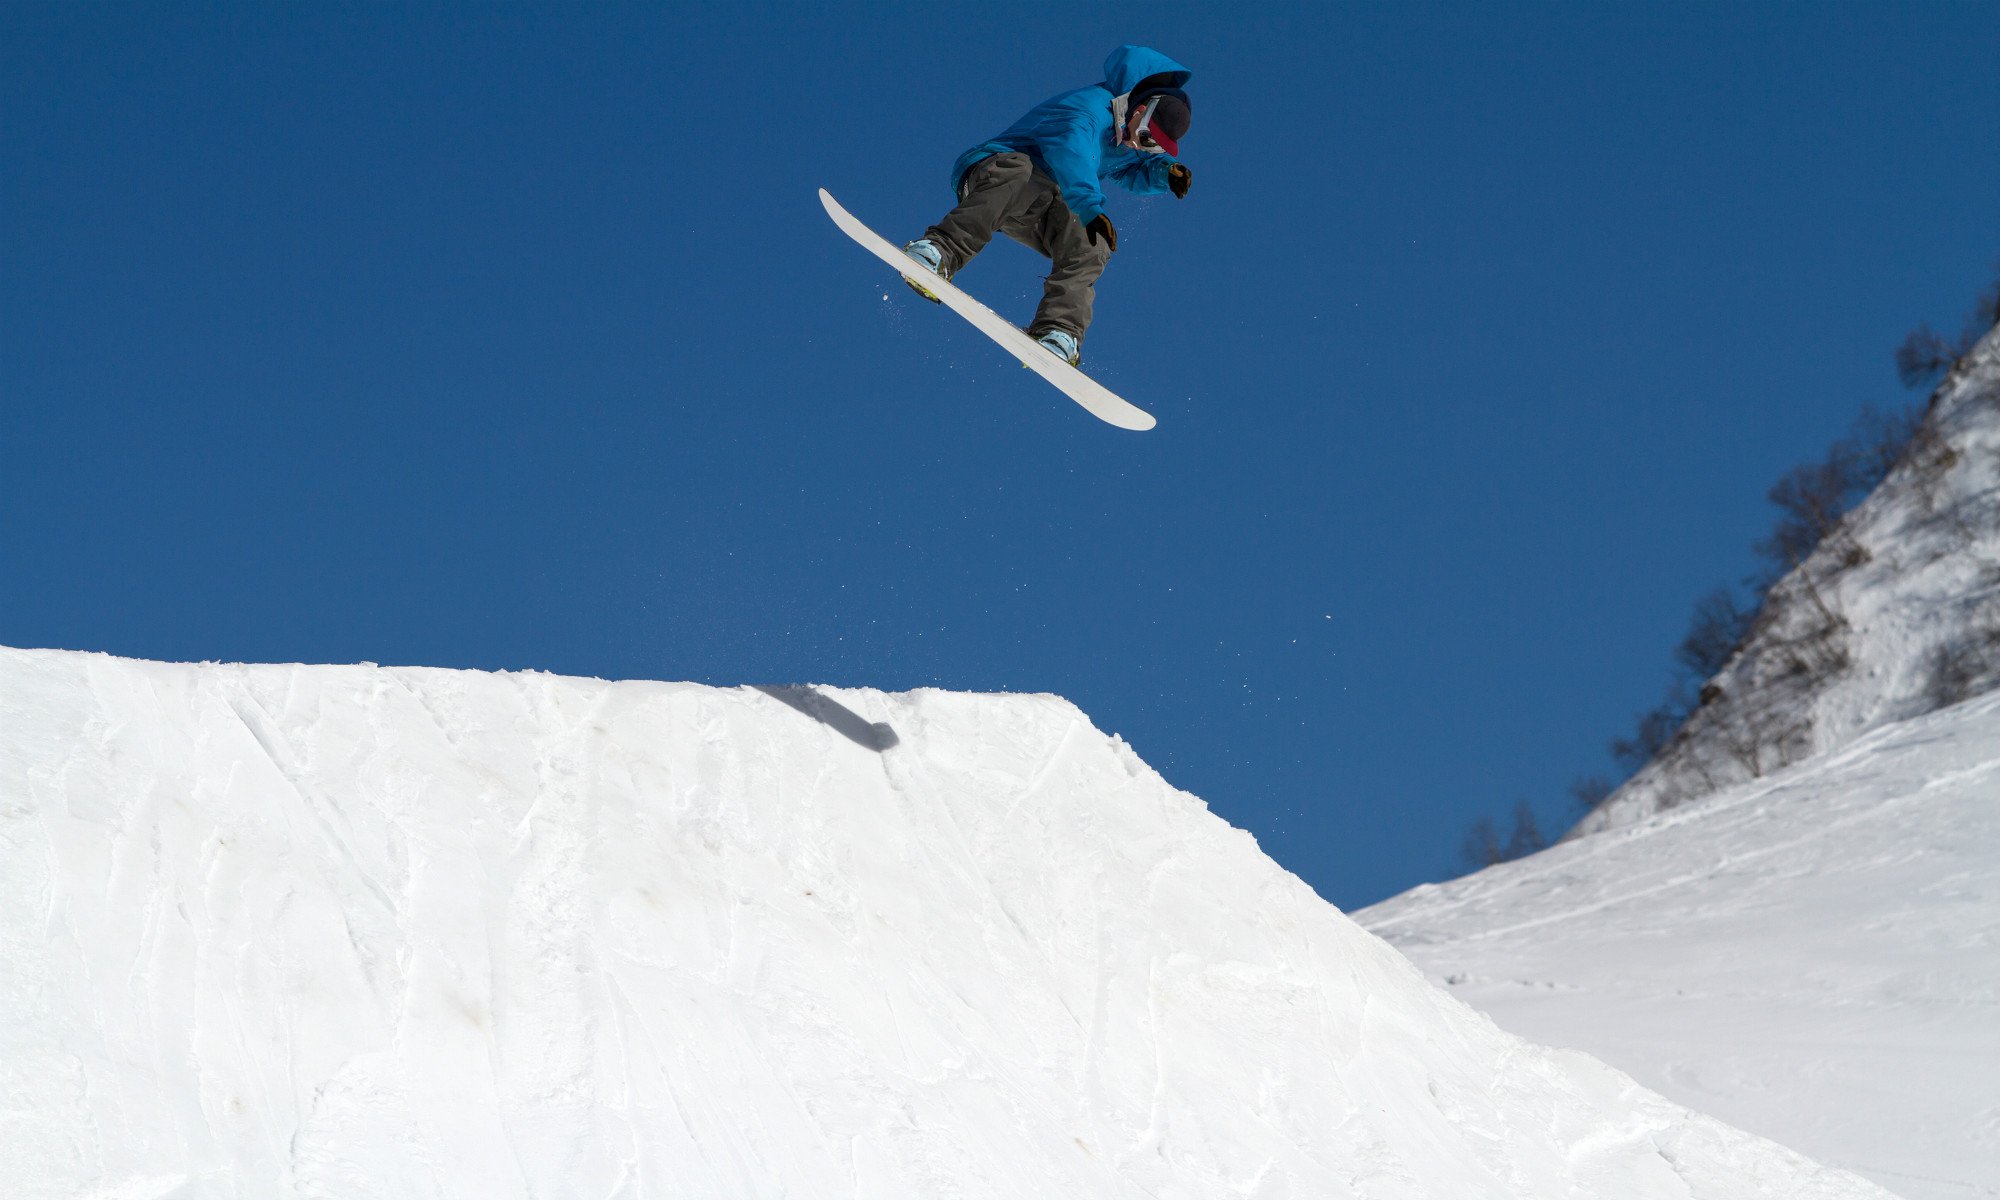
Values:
[(833, 714)]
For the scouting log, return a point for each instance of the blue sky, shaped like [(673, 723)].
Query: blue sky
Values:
[(514, 337)]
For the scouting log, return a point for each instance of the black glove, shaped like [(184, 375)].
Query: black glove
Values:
[(1100, 226), (1178, 179)]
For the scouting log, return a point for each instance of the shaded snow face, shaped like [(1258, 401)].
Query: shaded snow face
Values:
[(1814, 956), (1895, 614), (354, 932)]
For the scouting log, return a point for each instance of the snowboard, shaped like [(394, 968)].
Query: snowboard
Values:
[(1099, 400)]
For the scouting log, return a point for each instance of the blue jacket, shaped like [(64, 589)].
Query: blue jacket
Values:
[(1071, 136)]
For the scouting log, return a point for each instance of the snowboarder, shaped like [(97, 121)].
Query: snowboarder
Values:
[(1037, 183)]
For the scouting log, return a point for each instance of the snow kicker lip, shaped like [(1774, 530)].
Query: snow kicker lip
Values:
[(878, 736), (985, 964)]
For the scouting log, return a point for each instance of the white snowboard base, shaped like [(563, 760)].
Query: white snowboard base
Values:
[(1102, 403)]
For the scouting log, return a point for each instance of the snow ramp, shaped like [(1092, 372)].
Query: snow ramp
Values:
[(280, 931)]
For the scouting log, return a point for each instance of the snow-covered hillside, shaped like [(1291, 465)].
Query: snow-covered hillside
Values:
[(355, 932), (1896, 613), (1814, 956)]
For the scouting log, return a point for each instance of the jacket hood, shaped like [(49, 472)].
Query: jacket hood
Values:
[(1128, 65)]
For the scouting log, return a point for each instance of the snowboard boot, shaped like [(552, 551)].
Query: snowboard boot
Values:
[(931, 259), (1062, 344)]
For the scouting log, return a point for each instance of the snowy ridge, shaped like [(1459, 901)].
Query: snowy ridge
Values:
[(1895, 614), (356, 932), (1814, 956)]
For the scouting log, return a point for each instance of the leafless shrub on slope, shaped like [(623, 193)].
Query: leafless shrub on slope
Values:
[(1926, 356), (1968, 665), (1741, 701), (1483, 846)]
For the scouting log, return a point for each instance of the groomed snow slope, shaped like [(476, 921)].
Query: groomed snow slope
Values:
[(355, 932), (1814, 956)]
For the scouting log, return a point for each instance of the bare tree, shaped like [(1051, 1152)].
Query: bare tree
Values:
[(1759, 739), (1482, 845), (1714, 633), (1483, 848), (1651, 732), (1966, 666), (1527, 836), (1986, 313), (1880, 439), (1933, 460), (1811, 499), (1954, 674), (1923, 357), (1926, 355), (1589, 791)]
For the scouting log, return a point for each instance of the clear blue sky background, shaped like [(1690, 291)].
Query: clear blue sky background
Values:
[(507, 337)]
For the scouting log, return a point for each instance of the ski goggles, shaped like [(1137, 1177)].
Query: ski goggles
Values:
[(1148, 137)]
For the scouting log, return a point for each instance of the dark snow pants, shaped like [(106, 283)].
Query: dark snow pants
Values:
[(1006, 194)]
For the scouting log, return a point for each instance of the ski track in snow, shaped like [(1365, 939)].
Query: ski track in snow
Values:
[(354, 932)]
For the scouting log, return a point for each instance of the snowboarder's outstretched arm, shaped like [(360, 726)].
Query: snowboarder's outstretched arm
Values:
[(1145, 174)]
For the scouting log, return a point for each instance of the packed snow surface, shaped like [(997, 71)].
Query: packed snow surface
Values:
[(355, 932), (1814, 956)]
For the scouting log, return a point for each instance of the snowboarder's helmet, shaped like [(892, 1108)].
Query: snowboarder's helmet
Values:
[(1160, 119)]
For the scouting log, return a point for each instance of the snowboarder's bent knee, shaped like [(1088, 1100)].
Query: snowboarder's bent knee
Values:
[(1038, 183)]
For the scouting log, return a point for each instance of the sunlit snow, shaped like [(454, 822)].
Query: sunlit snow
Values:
[(1814, 956), (362, 932)]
